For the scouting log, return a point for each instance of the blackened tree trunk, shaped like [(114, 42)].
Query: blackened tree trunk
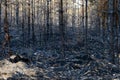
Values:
[(23, 23), (28, 33), (33, 18), (11, 15), (39, 21), (0, 14), (6, 43), (83, 16), (116, 33), (61, 26), (48, 22), (17, 13), (86, 25), (111, 24)]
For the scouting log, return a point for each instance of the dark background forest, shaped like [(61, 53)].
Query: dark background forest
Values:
[(69, 39)]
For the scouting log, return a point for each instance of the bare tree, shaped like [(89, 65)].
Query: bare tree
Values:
[(86, 24), (23, 23), (61, 26), (0, 13), (29, 29), (17, 13), (6, 43), (33, 18)]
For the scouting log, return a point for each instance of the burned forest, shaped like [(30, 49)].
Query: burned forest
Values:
[(59, 40)]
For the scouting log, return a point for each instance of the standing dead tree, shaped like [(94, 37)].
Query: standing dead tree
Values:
[(86, 24), (6, 42), (61, 27)]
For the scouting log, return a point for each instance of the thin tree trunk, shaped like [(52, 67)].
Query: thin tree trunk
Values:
[(23, 24), (86, 25), (111, 24), (17, 13), (28, 24), (33, 18), (61, 27), (48, 22), (6, 43), (0, 15)]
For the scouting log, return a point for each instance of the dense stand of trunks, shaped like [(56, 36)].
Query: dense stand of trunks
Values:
[(40, 22)]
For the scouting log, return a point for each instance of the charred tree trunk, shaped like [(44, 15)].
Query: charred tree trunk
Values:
[(86, 25), (28, 34), (33, 18), (23, 24), (48, 22), (0, 14), (6, 43), (111, 24), (61, 27), (17, 13)]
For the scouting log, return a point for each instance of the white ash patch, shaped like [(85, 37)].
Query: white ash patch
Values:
[(8, 69)]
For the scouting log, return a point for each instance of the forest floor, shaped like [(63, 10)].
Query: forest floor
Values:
[(47, 65), (50, 65)]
